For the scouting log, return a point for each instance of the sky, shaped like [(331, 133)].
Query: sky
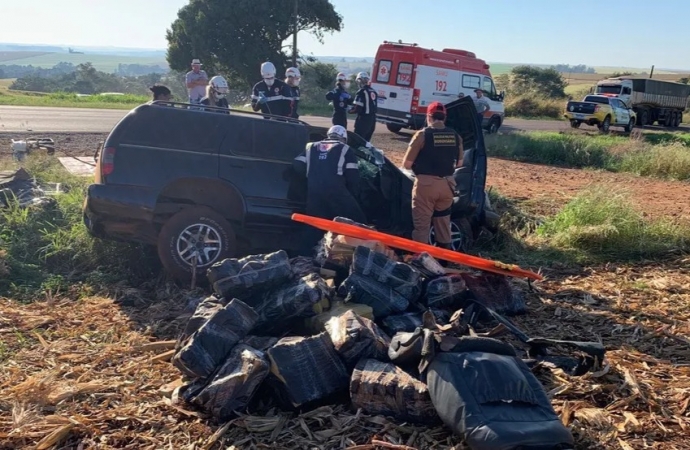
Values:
[(512, 31)]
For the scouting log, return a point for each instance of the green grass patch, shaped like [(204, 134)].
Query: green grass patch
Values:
[(103, 62), (662, 155), (48, 249), (68, 100), (602, 224), (530, 106)]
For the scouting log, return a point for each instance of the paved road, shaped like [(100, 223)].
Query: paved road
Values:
[(82, 120)]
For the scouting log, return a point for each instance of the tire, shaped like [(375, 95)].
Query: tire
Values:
[(631, 124), (642, 119), (676, 119), (394, 128), (180, 228), (494, 125), (462, 237), (669, 120), (575, 123), (605, 126)]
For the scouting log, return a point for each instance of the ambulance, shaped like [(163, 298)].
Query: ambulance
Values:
[(408, 78)]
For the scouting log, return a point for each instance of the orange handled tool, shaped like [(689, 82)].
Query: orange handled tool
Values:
[(475, 262)]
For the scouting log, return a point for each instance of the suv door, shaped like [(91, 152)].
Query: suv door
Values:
[(621, 112), (256, 157)]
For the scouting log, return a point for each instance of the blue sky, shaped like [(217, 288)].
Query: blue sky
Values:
[(530, 31)]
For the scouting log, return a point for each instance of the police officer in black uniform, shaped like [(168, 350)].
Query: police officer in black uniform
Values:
[(332, 181), (365, 106), (270, 95), (340, 99)]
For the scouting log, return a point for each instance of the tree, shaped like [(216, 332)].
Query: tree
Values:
[(684, 80), (234, 39), (535, 80)]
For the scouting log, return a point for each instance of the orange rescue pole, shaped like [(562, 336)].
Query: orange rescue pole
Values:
[(475, 262)]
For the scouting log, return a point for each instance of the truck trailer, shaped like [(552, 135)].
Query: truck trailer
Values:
[(652, 100)]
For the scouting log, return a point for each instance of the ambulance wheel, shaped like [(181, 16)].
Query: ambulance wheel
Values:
[(493, 125), (393, 128)]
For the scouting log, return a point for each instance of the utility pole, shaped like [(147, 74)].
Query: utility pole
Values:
[(651, 72), (294, 38)]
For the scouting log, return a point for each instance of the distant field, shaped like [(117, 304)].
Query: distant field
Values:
[(104, 63), (12, 56), (6, 82)]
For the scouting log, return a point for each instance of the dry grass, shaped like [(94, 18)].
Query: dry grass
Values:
[(81, 373)]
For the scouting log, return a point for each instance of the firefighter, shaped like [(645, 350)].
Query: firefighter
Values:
[(292, 79), (270, 95), (216, 94), (332, 181), (433, 155), (340, 99), (365, 106)]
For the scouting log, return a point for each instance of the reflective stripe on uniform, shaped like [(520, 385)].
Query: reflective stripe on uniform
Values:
[(341, 161), (308, 156), (352, 166)]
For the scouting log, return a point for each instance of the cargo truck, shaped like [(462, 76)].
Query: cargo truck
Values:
[(652, 100)]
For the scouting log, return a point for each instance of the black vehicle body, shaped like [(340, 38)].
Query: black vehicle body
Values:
[(164, 158)]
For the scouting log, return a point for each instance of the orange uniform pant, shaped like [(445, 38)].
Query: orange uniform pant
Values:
[(432, 194)]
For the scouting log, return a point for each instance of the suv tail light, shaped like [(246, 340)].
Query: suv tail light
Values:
[(108, 161)]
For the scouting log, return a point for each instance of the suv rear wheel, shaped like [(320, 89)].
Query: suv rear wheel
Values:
[(194, 233), (460, 235)]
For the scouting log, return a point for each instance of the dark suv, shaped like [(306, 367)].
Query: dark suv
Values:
[(203, 186)]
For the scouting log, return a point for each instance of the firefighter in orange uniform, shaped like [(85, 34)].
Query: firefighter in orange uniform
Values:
[(433, 155)]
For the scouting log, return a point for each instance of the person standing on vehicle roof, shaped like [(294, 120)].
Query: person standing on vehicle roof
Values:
[(216, 95), (271, 96), (332, 181), (340, 99), (196, 81), (365, 106), (433, 155), (292, 79), (482, 105)]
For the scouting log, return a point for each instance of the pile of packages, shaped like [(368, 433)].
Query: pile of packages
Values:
[(400, 339)]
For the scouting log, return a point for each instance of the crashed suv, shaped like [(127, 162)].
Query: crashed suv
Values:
[(203, 187)]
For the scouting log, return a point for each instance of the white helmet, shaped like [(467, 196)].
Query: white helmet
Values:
[(293, 72), (362, 79), (220, 86), (268, 73), (338, 132), (342, 78)]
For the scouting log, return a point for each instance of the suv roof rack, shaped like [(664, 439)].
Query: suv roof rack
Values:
[(205, 109)]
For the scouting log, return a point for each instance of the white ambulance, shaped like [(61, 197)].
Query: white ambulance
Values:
[(407, 78)]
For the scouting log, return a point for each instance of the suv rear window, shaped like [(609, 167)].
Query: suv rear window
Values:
[(384, 72), (173, 128), (265, 139)]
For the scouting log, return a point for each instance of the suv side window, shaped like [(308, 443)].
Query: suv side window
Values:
[(265, 139), (173, 128)]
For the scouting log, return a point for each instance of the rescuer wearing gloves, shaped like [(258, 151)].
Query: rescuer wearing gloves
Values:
[(340, 99), (292, 79), (365, 106), (433, 155), (332, 181), (271, 96)]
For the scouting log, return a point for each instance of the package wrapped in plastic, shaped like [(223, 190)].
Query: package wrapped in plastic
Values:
[(427, 265), (496, 292), (234, 384), (261, 343), (381, 388), (317, 324), (206, 349), (307, 369), (409, 321), (356, 337), (303, 266), (403, 278), (448, 291), (383, 299), (246, 278), (204, 310), (293, 300)]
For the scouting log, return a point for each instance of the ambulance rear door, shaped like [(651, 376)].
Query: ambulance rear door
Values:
[(436, 84), (393, 84)]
